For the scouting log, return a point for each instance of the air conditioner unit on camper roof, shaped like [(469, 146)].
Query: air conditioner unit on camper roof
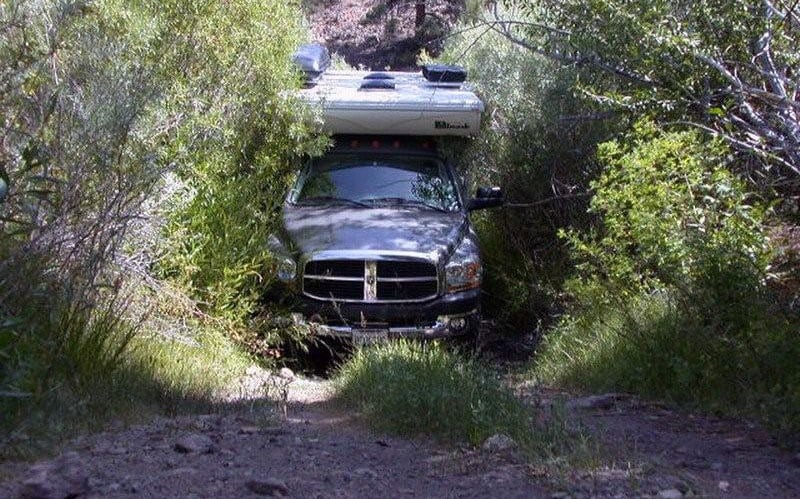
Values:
[(434, 102)]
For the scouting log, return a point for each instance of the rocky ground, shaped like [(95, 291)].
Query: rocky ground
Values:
[(650, 449), (318, 451)]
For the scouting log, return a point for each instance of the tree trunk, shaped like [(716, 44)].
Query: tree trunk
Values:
[(420, 11)]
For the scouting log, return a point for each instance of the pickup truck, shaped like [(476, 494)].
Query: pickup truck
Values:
[(377, 239)]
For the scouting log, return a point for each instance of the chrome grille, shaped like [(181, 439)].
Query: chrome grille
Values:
[(410, 269), (335, 290), (338, 268), (371, 281), (406, 290)]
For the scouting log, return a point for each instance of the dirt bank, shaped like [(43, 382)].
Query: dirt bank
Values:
[(368, 34)]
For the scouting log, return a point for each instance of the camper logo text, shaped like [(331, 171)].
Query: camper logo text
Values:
[(443, 125)]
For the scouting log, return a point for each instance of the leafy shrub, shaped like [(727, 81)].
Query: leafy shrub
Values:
[(669, 296), (78, 168), (672, 214), (106, 98), (113, 108), (234, 149), (537, 143), (722, 67)]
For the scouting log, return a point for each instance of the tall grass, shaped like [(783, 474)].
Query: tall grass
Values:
[(650, 345), (410, 388), (76, 368)]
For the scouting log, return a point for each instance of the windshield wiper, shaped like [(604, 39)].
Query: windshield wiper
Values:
[(406, 201), (333, 199)]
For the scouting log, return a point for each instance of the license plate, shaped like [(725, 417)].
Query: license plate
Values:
[(369, 336)]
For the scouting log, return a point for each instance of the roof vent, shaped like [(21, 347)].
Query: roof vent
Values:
[(379, 76), (312, 59), (444, 73), (377, 84)]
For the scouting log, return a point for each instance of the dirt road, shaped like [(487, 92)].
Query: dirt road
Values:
[(319, 451), (316, 452)]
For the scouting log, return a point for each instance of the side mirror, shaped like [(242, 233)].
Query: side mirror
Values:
[(486, 197)]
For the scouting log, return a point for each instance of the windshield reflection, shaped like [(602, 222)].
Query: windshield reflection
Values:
[(378, 181)]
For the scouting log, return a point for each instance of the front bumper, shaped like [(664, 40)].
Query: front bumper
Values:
[(449, 315)]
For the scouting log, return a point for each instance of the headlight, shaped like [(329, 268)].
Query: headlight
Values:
[(464, 270), (287, 269)]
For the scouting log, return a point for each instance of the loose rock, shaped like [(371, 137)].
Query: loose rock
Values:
[(436, 459), (64, 477), (670, 494), (272, 430), (497, 476), (286, 373), (182, 471), (268, 487), (366, 473), (605, 401), (194, 444), (499, 443)]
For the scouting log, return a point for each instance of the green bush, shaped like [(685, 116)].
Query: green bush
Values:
[(669, 295), (672, 214), (144, 140), (537, 143), (234, 149)]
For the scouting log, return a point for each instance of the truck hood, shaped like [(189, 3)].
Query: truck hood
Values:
[(396, 229)]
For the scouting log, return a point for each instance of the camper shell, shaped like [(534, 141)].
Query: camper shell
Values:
[(434, 102), (356, 102), (376, 239)]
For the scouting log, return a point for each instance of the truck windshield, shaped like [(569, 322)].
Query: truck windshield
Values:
[(377, 181)]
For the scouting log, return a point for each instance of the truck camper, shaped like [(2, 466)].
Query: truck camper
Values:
[(376, 238)]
